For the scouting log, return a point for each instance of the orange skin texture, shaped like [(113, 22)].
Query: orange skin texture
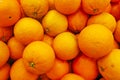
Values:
[(92, 44), (48, 39), (108, 9), (80, 66), (35, 8), (77, 21), (115, 1), (94, 7), (38, 57), (10, 12), (6, 33), (115, 11), (108, 21), (16, 48), (59, 69), (64, 6), (18, 72), (4, 53), (72, 76), (4, 72), (54, 23), (27, 30), (109, 65)]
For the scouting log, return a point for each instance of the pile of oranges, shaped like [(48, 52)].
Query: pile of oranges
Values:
[(59, 39)]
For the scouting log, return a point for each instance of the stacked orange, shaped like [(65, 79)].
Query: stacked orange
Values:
[(59, 39)]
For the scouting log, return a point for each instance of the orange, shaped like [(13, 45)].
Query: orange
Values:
[(9, 12), (38, 57), (4, 72), (59, 69), (117, 32), (35, 8), (18, 72), (51, 4), (67, 6), (108, 8), (65, 46), (109, 65), (72, 76), (92, 43), (86, 67), (4, 53), (108, 21), (27, 30), (6, 33), (16, 48), (115, 11), (77, 21), (48, 39), (54, 23), (94, 7)]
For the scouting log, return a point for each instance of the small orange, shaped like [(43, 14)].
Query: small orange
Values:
[(108, 21), (86, 67), (48, 39), (65, 46), (4, 72), (92, 43), (35, 8), (18, 72), (4, 53), (27, 30), (9, 12), (38, 57), (109, 65), (54, 23), (72, 76), (59, 69), (16, 48), (94, 7), (77, 21), (6, 33), (67, 6)]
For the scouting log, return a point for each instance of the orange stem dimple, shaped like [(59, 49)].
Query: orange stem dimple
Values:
[(32, 64)]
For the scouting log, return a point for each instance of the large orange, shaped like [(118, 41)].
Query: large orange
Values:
[(109, 65), (108, 21), (86, 67), (54, 23), (9, 12), (117, 32), (95, 40), (72, 76), (4, 72), (94, 6), (18, 72), (27, 30), (67, 6), (35, 8), (4, 53), (38, 57), (65, 46), (16, 48), (77, 21), (59, 69)]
